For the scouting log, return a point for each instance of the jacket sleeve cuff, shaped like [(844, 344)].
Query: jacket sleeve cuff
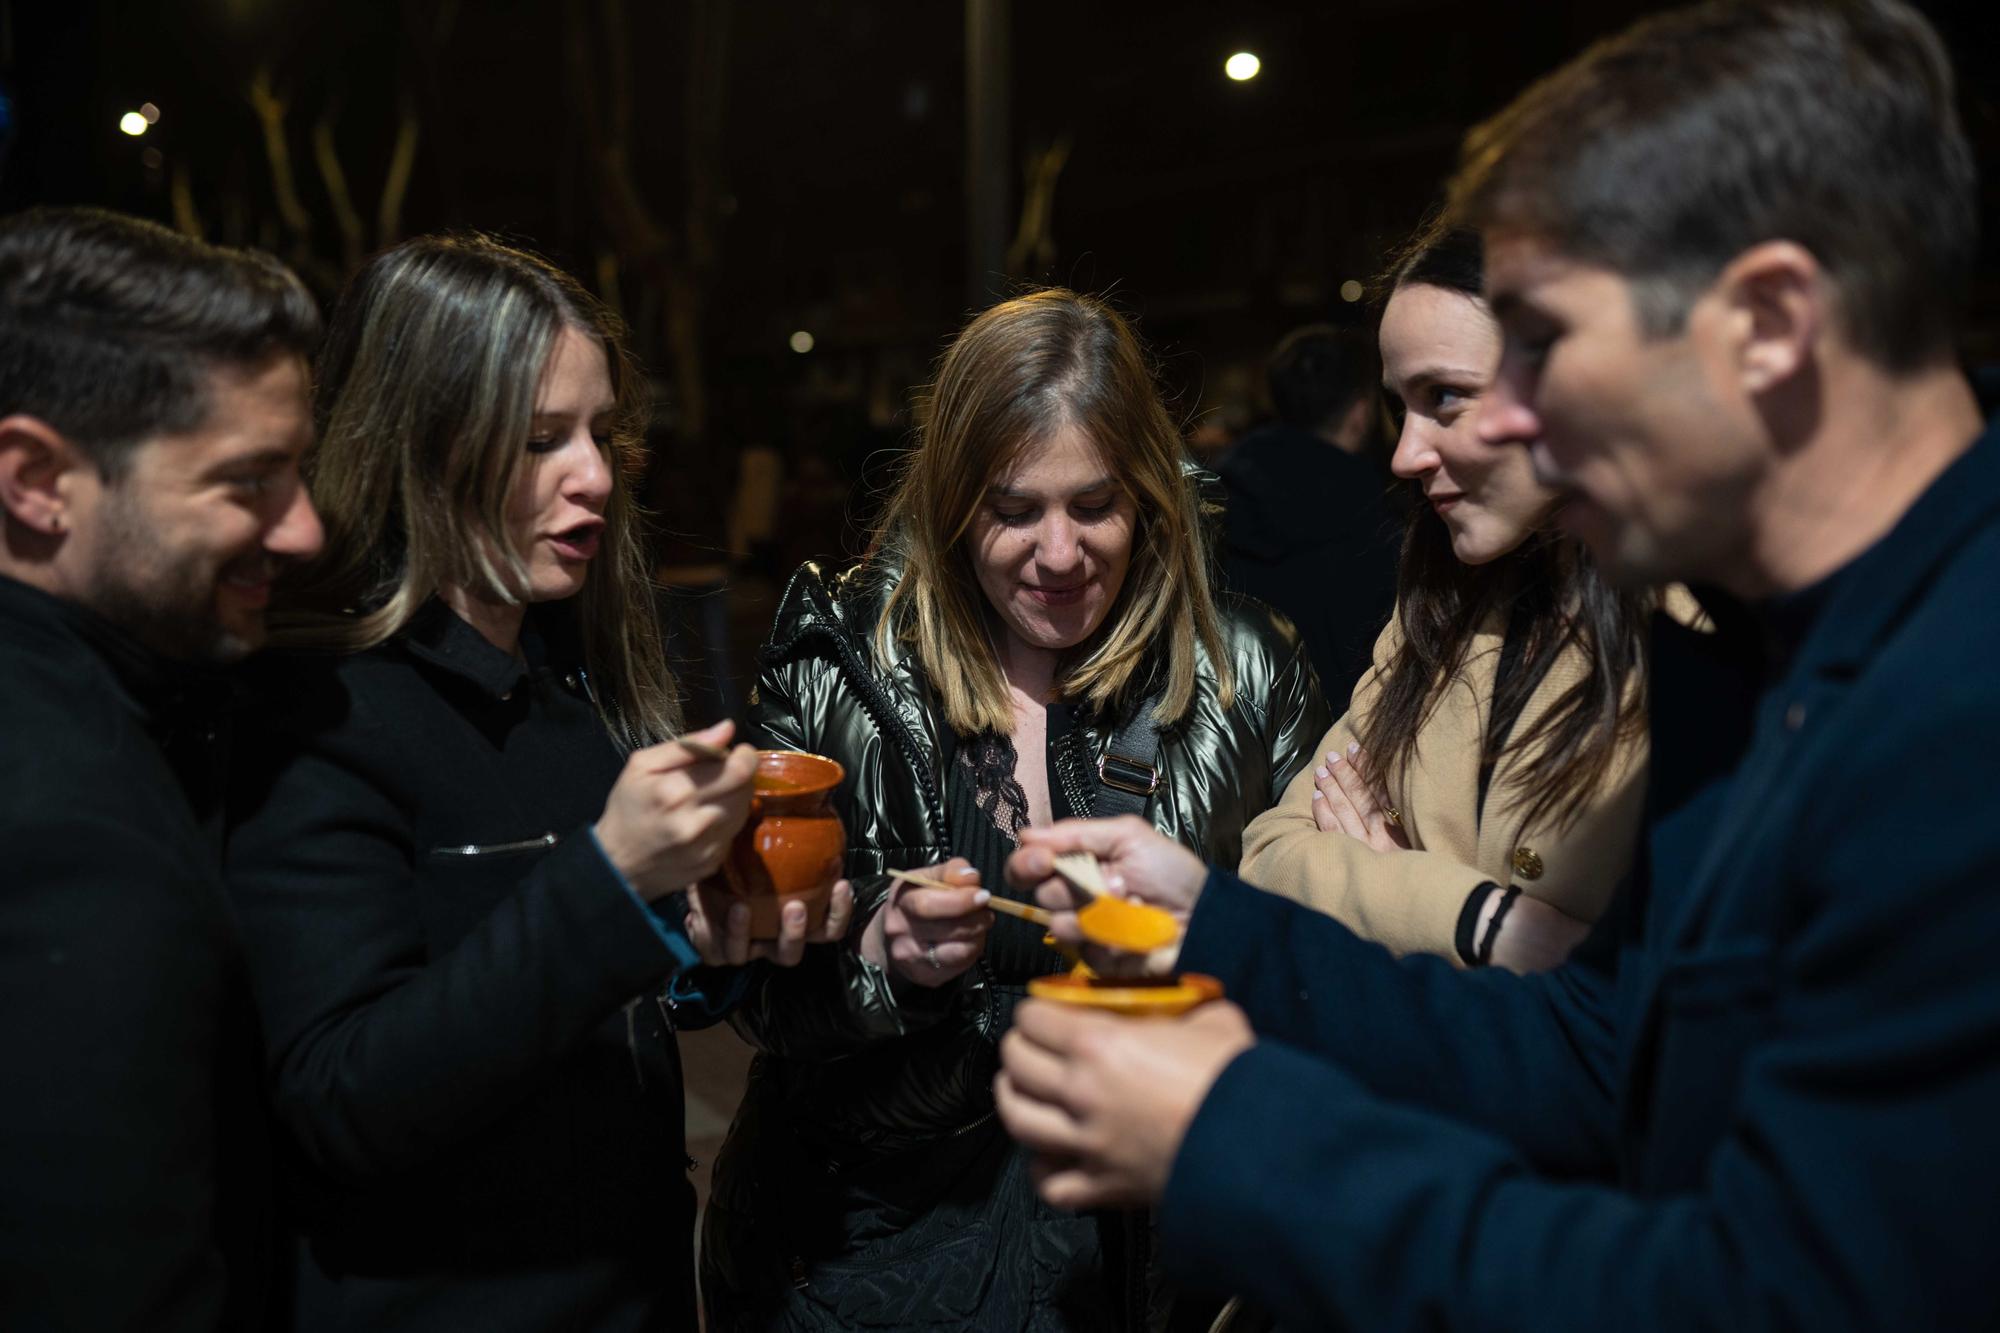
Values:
[(667, 917)]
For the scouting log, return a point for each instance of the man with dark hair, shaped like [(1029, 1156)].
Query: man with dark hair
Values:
[(1307, 526), (1766, 1092), (152, 416)]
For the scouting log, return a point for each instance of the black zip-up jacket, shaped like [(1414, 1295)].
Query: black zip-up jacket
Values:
[(858, 1070), (134, 1176), (468, 1039)]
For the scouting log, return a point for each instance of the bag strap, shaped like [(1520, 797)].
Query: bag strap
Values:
[(1129, 773)]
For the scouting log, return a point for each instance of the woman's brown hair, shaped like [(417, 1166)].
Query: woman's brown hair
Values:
[(1016, 375), (1549, 596), (424, 397)]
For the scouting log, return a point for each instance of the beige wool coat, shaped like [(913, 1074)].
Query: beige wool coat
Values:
[(1410, 900)]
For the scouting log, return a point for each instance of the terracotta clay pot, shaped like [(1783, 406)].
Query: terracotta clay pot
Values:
[(1167, 999), (793, 843)]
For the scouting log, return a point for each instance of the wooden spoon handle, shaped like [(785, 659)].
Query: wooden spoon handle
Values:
[(1040, 916)]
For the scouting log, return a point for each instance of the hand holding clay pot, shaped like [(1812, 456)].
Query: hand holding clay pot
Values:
[(792, 846), (672, 813), (718, 925), (1104, 1102)]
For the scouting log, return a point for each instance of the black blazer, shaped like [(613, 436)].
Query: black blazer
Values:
[(468, 1039), (133, 1175), (1766, 1094)]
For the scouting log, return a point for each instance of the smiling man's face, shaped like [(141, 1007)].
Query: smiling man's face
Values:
[(1645, 435), (187, 538)]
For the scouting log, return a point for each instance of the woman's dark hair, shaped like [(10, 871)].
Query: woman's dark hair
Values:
[(1550, 597)]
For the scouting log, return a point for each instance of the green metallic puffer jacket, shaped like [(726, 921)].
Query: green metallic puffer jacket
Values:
[(820, 690)]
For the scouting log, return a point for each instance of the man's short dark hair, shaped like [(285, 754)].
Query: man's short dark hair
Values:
[(111, 328), (1668, 150), (1317, 372)]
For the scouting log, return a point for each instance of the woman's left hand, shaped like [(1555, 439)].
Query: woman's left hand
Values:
[(1347, 799), (718, 925)]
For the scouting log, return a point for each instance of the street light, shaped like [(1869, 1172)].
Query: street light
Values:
[(1242, 66), (132, 123)]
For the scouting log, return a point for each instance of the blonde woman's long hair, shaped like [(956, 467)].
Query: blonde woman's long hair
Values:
[(424, 400), (1016, 375)]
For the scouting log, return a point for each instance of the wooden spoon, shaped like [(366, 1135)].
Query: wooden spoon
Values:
[(1007, 906), (1111, 921)]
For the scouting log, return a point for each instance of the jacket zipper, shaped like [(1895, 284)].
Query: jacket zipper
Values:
[(496, 848), (875, 699)]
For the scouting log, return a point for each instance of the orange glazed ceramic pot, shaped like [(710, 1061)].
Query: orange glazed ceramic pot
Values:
[(792, 846), (1166, 999)]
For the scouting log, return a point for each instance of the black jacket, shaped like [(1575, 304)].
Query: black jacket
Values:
[(467, 1037), (133, 1174), (1313, 530), (873, 1098), (1765, 1094)]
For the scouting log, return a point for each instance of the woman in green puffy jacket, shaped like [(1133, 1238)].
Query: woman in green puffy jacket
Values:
[(1033, 636)]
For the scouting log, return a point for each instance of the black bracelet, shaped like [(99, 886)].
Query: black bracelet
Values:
[(1493, 926), (1463, 939)]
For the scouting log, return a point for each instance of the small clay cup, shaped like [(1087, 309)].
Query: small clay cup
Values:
[(1168, 999), (792, 845)]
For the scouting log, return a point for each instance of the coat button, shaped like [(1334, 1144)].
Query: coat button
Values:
[(1527, 863), (570, 680)]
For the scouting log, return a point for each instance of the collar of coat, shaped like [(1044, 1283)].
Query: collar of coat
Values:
[(163, 692), (438, 636), (1880, 586)]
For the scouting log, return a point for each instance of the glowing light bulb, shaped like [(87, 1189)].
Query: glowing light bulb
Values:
[(1242, 66), (151, 113), (802, 342), (132, 123), (1350, 291)]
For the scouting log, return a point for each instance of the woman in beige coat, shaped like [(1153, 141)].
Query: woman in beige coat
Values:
[(1481, 796)]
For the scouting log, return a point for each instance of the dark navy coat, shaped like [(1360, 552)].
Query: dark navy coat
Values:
[(1766, 1094)]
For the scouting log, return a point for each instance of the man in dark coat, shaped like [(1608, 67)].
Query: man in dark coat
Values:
[(1765, 1093), (152, 416), (1307, 525)]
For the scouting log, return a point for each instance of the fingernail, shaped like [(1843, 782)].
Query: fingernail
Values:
[(1331, 762), (981, 898), (1333, 756), (1317, 794), (1353, 747), (1320, 772)]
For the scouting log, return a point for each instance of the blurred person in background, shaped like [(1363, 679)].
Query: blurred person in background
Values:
[(1033, 637), (1308, 525)]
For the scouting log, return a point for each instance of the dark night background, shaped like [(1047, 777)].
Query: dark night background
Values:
[(733, 174)]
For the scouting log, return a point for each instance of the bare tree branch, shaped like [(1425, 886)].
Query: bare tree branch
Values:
[(396, 186), (270, 109), (182, 193), (327, 153)]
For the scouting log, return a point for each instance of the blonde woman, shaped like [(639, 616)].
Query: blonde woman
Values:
[(1033, 636), (460, 833)]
